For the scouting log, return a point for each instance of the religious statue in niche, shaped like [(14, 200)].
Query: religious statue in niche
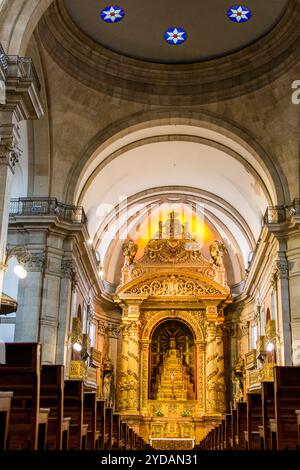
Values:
[(107, 379), (129, 250), (108, 391), (238, 379), (217, 251)]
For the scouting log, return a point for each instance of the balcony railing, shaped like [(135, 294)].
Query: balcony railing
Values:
[(3, 63), (77, 370), (22, 67), (257, 376), (96, 357), (280, 214), (30, 207)]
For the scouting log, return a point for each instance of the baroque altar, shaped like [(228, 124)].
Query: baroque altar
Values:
[(171, 382)]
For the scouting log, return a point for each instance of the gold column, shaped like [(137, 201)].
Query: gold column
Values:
[(134, 367), (221, 370), (122, 389), (133, 356), (211, 360), (145, 378)]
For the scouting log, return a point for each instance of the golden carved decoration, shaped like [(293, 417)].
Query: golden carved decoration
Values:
[(168, 251), (173, 285)]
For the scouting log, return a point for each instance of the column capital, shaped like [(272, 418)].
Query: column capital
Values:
[(9, 152), (211, 312)]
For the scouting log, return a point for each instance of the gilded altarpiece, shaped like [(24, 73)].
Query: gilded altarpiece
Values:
[(171, 364)]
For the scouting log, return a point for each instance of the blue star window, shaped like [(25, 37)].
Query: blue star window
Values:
[(175, 36), (239, 14), (112, 14)]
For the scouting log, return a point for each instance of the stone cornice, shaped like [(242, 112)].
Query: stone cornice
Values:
[(234, 75)]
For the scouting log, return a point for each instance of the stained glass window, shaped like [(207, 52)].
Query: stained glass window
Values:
[(239, 14), (175, 36), (112, 14)]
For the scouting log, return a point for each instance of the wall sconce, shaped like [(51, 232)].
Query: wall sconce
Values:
[(76, 335), (23, 256), (270, 346)]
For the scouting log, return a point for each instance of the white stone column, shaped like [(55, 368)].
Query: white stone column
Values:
[(29, 300), (9, 156), (65, 311), (281, 271)]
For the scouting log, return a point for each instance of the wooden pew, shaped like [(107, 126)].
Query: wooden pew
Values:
[(254, 420), (268, 413), (101, 423), (227, 439), (298, 425), (233, 438), (125, 436), (284, 433), (73, 407), (241, 408), (52, 396), (21, 374), (5, 403), (108, 428), (117, 432), (90, 419)]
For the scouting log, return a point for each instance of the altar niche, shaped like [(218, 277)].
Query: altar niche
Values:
[(172, 362)]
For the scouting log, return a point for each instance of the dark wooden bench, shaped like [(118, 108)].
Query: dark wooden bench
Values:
[(125, 436), (52, 396), (117, 432), (5, 403), (227, 439), (233, 437), (108, 428), (298, 425), (241, 408), (268, 413), (28, 423), (284, 433), (101, 423), (73, 407), (90, 418), (254, 420)]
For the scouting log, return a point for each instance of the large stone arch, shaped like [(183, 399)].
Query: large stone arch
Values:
[(162, 117), (19, 19)]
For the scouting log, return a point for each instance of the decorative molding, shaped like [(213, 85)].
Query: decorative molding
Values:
[(111, 329), (174, 285), (37, 262), (9, 152)]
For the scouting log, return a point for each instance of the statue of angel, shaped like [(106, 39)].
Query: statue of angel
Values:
[(129, 250), (217, 251)]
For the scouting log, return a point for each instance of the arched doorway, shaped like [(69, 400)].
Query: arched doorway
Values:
[(172, 362)]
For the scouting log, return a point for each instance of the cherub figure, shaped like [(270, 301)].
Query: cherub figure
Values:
[(217, 251), (129, 250)]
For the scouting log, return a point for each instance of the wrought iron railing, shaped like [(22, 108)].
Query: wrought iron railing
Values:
[(3, 62), (47, 206)]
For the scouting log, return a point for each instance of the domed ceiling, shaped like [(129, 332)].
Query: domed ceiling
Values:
[(175, 31)]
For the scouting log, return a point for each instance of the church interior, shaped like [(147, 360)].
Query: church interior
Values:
[(149, 225)]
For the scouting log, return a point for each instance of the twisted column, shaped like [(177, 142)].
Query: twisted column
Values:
[(134, 367), (221, 370), (211, 368), (122, 389)]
